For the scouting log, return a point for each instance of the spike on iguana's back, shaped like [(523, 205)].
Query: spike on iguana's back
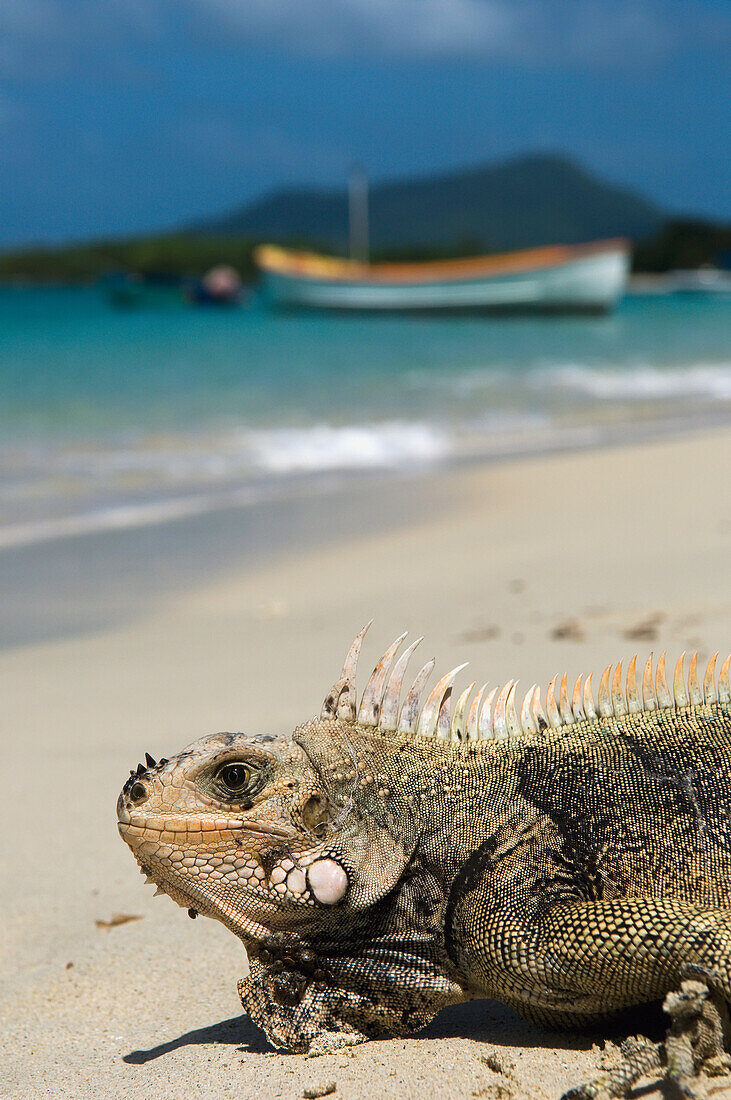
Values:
[(619, 703), (649, 698), (485, 726), (577, 701), (473, 719), (567, 714), (342, 699), (664, 698), (724, 689), (512, 718), (695, 695), (500, 719), (709, 680), (606, 709), (444, 718), (433, 704), (527, 711), (634, 700), (457, 728), (392, 695), (552, 711), (370, 705), (589, 706), (681, 696), (409, 717)]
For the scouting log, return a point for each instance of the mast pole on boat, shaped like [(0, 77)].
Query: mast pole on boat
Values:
[(358, 214)]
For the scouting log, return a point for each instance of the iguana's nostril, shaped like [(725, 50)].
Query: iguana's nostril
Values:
[(138, 793)]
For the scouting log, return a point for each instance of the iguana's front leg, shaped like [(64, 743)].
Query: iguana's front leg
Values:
[(697, 1033), (301, 1015), (311, 1001), (536, 945)]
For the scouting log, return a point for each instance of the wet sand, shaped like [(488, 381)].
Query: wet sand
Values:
[(143, 641)]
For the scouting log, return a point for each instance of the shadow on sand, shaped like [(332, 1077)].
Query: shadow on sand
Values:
[(482, 1021), (238, 1031)]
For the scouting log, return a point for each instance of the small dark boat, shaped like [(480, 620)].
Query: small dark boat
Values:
[(129, 290)]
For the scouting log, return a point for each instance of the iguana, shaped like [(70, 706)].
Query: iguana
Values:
[(391, 858)]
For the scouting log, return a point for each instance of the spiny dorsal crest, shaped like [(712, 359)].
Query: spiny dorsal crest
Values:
[(494, 714)]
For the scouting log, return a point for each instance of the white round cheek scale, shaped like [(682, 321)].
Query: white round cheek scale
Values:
[(328, 881)]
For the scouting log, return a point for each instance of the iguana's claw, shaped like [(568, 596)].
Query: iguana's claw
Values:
[(694, 1042), (695, 1037), (639, 1056), (333, 1042)]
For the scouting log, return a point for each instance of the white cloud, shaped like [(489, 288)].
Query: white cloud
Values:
[(551, 32), (44, 39), (386, 27)]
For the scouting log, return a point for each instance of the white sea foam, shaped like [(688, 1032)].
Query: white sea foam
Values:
[(644, 383), (387, 445), (498, 385)]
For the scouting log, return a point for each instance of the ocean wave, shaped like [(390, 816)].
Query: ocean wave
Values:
[(73, 489), (218, 456), (643, 383), (233, 469), (500, 386)]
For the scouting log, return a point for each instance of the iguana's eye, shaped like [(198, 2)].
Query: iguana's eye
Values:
[(236, 777)]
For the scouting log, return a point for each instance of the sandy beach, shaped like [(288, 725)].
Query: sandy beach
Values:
[(144, 640)]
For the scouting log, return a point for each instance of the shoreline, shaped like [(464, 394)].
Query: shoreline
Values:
[(290, 488), (524, 568), (147, 558)]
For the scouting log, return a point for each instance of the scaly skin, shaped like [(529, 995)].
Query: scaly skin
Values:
[(376, 875)]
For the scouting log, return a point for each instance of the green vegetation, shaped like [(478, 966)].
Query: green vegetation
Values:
[(684, 243), (175, 255), (179, 255)]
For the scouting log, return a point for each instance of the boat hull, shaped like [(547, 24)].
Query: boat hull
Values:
[(589, 282)]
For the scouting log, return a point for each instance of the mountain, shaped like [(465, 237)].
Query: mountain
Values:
[(531, 200), (526, 201)]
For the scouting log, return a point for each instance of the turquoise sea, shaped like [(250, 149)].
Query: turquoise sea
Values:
[(112, 417)]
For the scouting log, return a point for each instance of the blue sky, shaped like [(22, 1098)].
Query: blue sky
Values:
[(122, 116)]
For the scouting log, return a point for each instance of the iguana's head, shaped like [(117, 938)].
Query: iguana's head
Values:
[(266, 833)]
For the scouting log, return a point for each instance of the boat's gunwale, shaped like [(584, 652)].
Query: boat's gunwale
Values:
[(312, 266)]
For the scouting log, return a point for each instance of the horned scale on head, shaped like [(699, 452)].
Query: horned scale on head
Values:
[(494, 714)]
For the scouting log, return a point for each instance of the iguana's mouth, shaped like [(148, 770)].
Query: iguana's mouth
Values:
[(136, 824)]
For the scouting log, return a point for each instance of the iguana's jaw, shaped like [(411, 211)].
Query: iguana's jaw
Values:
[(195, 896)]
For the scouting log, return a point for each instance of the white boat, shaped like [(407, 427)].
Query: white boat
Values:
[(700, 280), (560, 278)]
